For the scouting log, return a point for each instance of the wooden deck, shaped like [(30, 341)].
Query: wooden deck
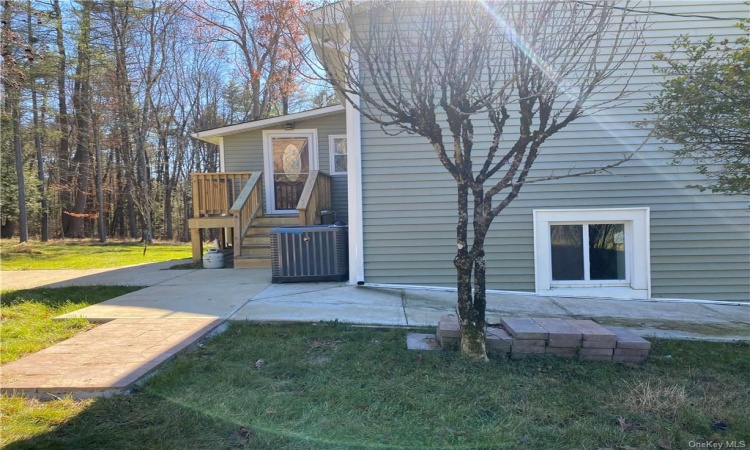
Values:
[(232, 202)]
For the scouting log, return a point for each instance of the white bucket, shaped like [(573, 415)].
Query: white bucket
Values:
[(214, 259)]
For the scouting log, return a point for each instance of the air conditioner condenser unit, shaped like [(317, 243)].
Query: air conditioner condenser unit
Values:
[(309, 253)]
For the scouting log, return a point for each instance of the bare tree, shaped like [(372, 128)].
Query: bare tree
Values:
[(61, 174), (442, 69), (13, 76), (31, 19), (172, 105), (262, 38)]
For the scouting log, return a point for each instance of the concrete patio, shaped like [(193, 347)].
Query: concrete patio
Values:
[(146, 328)]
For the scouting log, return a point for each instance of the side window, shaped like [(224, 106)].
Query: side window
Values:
[(588, 252), (337, 145), (592, 252)]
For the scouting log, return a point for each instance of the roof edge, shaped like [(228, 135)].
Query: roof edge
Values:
[(213, 135)]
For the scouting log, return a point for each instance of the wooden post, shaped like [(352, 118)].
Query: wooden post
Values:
[(237, 235), (197, 244)]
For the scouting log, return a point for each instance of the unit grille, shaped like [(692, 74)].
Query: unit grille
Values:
[(309, 253)]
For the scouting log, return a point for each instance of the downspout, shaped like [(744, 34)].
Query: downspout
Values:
[(354, 188)]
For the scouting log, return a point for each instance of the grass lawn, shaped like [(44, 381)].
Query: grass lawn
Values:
[(26, 324), (331, 386), (85, 254)]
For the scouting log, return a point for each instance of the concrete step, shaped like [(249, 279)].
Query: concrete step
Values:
[(252, 262)]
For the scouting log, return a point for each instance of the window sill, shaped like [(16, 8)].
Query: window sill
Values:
[(620, 292)]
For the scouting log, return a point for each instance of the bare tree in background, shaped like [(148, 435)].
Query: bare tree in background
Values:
[(12, 78), (440, 70), (82, 121), (262, 37)]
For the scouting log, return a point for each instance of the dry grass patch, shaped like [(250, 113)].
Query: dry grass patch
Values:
[(652, 396), (24, 249)]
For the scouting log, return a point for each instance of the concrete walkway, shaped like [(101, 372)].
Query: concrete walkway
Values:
[(146, 328), (307, 302), (107, 359)]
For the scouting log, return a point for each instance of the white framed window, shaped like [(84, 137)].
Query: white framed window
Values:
[(592, 252), (337, 146)]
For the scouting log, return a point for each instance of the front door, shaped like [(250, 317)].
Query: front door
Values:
[(289, 157)]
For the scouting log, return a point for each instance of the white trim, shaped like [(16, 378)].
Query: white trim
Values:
[(213, 135), (268, 135), (637, 239), (222, 162), (354, 188), (332, 153)]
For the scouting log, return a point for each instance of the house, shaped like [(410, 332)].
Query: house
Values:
[(287, 170), (667, 240)]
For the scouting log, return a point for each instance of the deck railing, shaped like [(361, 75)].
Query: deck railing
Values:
[(248, 206), (214, 193), (232, 200), (316, 197)]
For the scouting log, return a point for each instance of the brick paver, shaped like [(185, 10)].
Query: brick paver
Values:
[(584, 339), (524, 328), (595, 335)]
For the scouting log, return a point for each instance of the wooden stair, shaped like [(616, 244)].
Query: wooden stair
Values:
[(256, 244)]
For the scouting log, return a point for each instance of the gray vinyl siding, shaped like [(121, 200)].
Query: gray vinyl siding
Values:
[(244, 152), (340, 199), (700, 242)]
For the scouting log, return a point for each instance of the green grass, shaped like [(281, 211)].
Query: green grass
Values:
[(27, 325), (331, 386), (84, 254)]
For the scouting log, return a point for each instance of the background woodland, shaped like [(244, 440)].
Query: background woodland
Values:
[(99, 100)]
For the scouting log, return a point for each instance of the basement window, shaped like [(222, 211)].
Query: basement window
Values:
[(592, 252)]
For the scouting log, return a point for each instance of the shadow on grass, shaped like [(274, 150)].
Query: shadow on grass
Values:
[(137, 421), (147, 421), (28, 323), (61, 296)]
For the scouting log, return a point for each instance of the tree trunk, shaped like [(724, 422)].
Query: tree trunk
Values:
[(130, 209), (82, 106), (471, 319), (186, 213), (7, 228), (38, 143), (99, 187), (168, 225), (23, 225), (40, 168), (11, 107), (61, 169)]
